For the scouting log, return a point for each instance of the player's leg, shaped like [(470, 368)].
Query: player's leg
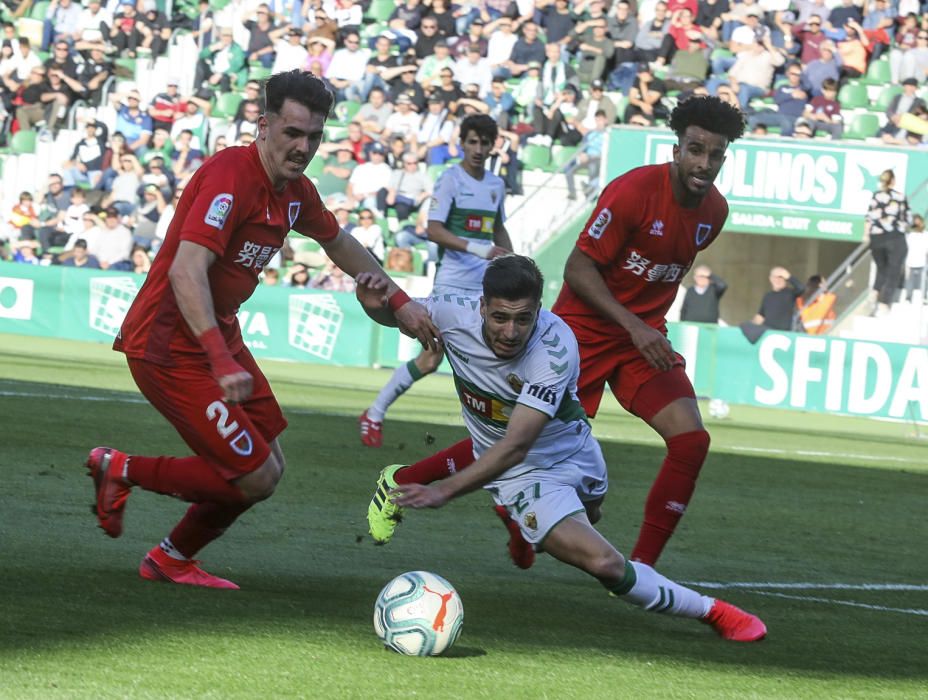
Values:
[(667, 402), (403, 377), (575, 541)]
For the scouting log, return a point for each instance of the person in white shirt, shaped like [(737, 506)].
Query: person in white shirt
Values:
[(289, 50), (499, 47), (368, 178), (434, 133), (348, 65), (404, 120), (368, 234), (91, 19), (473, 69), (114, 242)]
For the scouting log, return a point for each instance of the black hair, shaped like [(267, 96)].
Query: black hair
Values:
[(300, 86), (813, 284), (709, 113), (513, 277), (483, 124)]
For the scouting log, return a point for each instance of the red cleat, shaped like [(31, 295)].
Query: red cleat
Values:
[(371, 431), (158, 566), (520, 551), (734, 623), (105, 466)]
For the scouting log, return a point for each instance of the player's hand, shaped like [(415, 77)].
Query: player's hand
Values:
[(370, 288), (498, 251), (237, 386), (654, 346), (418, 496), (414, 320)]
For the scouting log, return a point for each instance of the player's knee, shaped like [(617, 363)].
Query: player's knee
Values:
[(261, 483), (689, 447), (606, 565)]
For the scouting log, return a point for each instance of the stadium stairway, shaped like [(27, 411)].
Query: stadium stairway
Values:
[(907, 322)]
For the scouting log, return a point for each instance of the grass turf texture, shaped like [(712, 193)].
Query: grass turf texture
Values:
[(784, 497)]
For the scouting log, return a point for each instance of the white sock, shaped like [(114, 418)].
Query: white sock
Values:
[(399, 383), (168, 548), (646, 588)]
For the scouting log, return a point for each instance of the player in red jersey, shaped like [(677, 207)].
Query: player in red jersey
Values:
[(184, 345), (619, 282)]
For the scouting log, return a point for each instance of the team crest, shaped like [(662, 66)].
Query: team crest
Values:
[(531, 522), (657, 228), (703, 231), (293, 212), (515, 382)]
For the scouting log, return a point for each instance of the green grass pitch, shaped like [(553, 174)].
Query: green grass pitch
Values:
[(785, 499)]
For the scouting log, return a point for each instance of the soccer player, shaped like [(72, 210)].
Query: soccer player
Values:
[(466, 220), (516, 368), (619, 282), (183, 342)]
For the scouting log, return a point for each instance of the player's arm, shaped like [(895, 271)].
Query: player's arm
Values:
[(189, 280), (525, 425), (355, 260), (500, 234), (584, 277)]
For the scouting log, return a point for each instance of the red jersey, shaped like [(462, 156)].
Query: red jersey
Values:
[(644, 243), (230, 207)]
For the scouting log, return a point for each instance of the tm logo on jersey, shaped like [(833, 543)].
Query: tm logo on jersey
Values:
[(218, 210), (483, 224)]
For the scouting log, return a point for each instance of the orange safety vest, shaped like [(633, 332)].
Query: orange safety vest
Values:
[(818, 317)]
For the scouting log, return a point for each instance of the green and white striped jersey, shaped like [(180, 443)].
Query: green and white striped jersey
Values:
[(543, 376), (468, 208)]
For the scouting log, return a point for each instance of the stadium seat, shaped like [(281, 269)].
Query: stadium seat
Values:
[(562, 154), (435, 171), (853, 95), (886, 96), (314, 169), (536, 157), (330, 184), (227, 105), (346, 110), (258, 72), (380, 10), (862, 126), (333, 132), (878, 73), (23, 141), (39, 10)]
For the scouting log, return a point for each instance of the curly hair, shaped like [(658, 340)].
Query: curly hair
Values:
[(709, 113)]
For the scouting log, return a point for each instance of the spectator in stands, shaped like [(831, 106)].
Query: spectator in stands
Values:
[(368, 178), (80, 257), (916, 260), (33, 110), (247, 123), (824, 111), (594, 53), (709, 17), (906, 102), (701, 301), (322, 26), (220, 62), (743, 13), (24, 218), (427, 37), (342, 163), (20, 66), (840, 14), (558, 21), (559, 121), (333, 279), (404, 119), (853, 51), (61, 60), (778, 306), (270, 277), (622, 29), (682, 33), (752, 73), (53, 211), (471, 69), (651, 34), (114, 243), (195, 120), (158, 175), (134, 124), (123, 194), (160, 144), (348, 14), (791, 101), (877, 23), (374, 113), (815, 308), (428, 72), (595, 101), (528, 48), (443, 13), (25, 251), (319, 52), (252, 93), (62, 20), (888, 220), (906, 39), (588, 156), (202, 29), (348, 66), (556, 74), (499, 103), (297, 276), (128, 33), (289, 52), (114, 151), (167, 107), (502, 40), (399, 260), (810, 36), (527, 93), (397, 149), (93, 70), (94, 23), (914, 62), (407, 189), (186, 156), (260, 45), (369, 234), (72, 217), (644, 98), (147, 215), (433, 135), (158, 26), (688, 68), (141, 263), (381, 69), (474, 37), (821, 69)]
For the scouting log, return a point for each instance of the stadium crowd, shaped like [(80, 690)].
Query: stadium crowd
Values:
[(553, 74)]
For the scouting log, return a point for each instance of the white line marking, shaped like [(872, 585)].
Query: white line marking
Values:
[(820, 453), (849, 603), (810, 586)]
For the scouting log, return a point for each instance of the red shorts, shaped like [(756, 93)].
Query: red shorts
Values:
[(234, 438), (621, 364)]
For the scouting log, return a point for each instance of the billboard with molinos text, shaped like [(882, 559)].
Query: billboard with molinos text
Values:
[(788, 187)]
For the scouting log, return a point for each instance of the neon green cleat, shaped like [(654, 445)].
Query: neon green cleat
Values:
[(382, 514)]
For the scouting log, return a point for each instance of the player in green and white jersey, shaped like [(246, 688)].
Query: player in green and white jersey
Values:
[(466, 220), (516, 368)]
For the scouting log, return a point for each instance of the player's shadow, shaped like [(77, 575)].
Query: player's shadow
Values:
[(459, 652)]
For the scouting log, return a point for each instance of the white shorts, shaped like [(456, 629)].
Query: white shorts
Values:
[(542, 497)]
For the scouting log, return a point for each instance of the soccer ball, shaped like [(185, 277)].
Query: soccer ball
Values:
[(418, 614), (719, 409)]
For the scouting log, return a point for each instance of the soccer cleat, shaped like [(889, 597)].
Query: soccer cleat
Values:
[(371, 431), (158, 566), (520, 551), (383, 515), (734, 623), (105, 466)]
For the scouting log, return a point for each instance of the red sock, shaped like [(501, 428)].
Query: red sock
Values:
[(202, 524), (459, 456), (188, 478), (670, 493)]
